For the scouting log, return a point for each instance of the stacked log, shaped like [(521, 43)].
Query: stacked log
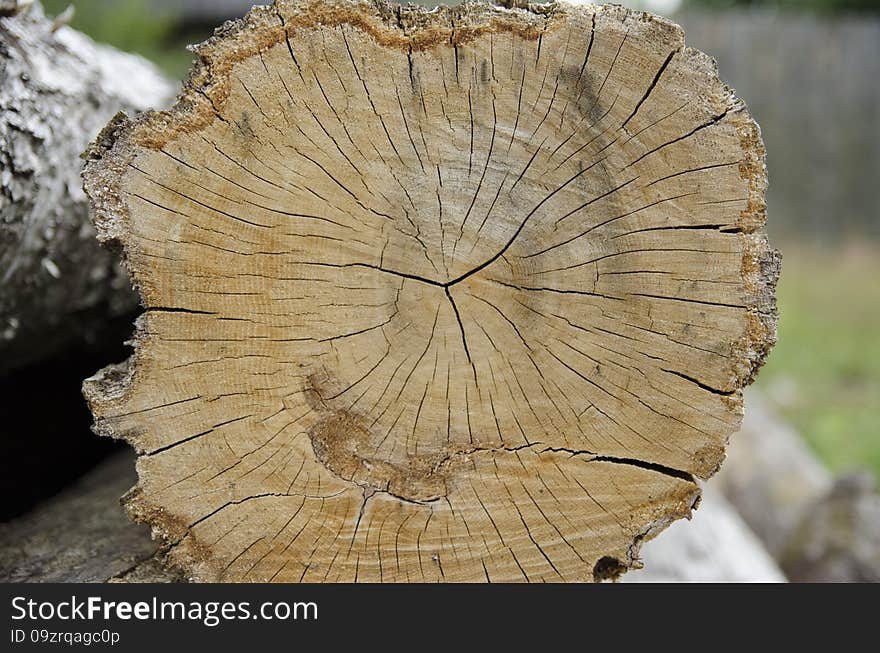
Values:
[(58, 287)]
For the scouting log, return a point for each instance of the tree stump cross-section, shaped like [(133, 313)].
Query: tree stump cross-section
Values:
[(467, 294)]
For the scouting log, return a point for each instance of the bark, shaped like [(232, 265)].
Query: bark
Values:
[(461, 295), (82, 535), (57, 89)]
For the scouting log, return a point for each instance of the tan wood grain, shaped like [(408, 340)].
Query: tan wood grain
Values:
[(462, 295)]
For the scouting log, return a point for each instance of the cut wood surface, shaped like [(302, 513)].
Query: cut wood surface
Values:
[(82, 535), (57, 89), (466, 294)]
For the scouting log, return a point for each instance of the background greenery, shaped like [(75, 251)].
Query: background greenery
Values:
[(799, 5), (158, 33), (824, 375)]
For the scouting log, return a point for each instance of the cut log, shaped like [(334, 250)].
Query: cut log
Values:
[(57, 89), (838, 538), (466, 294), (819, 528), (82, 536)]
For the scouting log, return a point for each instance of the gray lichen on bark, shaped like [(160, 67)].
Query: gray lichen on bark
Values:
[(57, 89)]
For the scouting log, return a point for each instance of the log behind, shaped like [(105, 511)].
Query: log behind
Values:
[(57, 89)]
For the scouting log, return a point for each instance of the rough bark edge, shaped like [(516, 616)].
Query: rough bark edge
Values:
[(761, 263), (410, 28)]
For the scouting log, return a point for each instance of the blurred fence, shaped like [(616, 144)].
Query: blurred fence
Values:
[(813, 83), (810, 80)]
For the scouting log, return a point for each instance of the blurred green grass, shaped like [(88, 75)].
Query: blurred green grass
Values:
[(134, 26), (824, 373)]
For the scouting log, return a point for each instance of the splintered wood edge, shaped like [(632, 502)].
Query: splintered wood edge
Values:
[(408, 28)]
